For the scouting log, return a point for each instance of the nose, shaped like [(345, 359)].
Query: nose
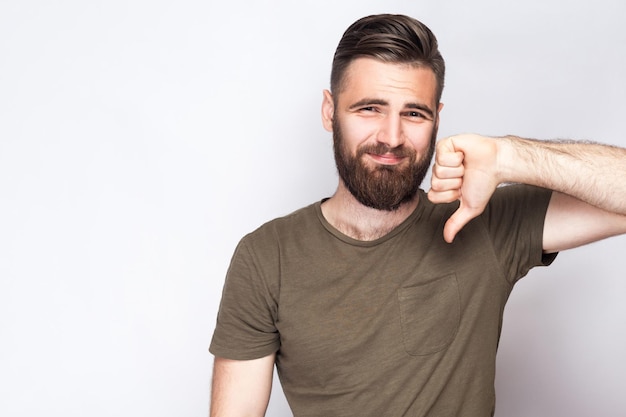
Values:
[(391, 132)]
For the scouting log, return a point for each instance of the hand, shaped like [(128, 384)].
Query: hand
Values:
[(465, 169)]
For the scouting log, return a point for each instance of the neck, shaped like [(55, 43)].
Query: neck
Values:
[(350, 217)]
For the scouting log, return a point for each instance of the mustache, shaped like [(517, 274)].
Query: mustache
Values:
[(382, 149)]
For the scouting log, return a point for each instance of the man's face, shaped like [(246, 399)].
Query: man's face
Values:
[(384, 129)]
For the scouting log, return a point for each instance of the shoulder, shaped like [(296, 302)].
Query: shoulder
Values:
[(511, 206), (511, 198), (257, 257), (294, 223)]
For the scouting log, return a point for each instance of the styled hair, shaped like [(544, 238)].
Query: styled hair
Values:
[(389, 38)]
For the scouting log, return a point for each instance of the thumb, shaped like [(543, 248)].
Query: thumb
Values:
[(457, 221)]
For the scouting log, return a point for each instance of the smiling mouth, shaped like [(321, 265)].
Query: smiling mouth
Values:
[(387, 158)]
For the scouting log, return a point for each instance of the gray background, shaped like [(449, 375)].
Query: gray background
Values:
[(139, 140)]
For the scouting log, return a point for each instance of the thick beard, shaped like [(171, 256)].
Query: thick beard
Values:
[(385, 187)]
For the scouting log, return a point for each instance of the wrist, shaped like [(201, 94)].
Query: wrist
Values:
[(506, 159)]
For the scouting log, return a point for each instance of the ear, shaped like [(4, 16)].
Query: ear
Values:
[(439, 108), (328, 111)]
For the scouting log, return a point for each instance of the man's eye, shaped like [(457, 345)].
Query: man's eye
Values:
[(415, 114), (368, 109)]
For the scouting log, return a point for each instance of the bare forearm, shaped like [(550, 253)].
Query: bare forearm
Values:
[(591, 172), (241, 388)]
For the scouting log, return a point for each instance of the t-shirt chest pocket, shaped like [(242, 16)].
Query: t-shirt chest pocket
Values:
[(430, 314)]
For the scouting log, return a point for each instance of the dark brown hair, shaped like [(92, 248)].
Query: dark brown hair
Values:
[(389, 38)]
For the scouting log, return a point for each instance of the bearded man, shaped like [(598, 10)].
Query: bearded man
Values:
[(383, 300)]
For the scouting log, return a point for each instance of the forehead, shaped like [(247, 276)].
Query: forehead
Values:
[(367, 77)]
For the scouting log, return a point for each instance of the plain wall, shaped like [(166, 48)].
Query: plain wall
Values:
[(140, 140)]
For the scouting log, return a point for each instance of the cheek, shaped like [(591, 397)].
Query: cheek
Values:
[(421, 137), (357, 133)]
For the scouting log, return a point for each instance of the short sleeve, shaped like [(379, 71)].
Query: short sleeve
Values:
[(245, 326), (515, 220)]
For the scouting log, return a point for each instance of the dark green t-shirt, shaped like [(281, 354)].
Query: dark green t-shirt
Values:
[(406, 325)]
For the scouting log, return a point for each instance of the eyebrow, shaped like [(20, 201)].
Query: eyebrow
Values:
[(379, 102)]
